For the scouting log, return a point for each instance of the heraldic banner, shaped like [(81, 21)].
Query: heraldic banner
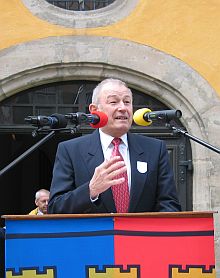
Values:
[(141, 245)]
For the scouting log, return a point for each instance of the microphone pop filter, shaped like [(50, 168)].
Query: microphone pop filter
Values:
[(138, 117), (103, 119)]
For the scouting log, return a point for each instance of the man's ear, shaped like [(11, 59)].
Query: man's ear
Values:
[(92, 108)]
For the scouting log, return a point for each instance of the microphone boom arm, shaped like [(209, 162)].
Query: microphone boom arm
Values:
[(186, 134), (34, 147), (26, 153)]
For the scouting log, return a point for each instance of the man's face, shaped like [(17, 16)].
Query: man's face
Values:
[(116, 102), (42, 203)]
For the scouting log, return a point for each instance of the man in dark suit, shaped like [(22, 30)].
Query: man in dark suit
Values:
[(85, 172)]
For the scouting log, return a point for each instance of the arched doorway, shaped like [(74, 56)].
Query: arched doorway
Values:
[(35, 170)]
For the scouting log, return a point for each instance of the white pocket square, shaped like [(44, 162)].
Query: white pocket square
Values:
[(142, 167)]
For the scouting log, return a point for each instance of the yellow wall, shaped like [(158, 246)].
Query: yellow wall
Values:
[(188, 30)]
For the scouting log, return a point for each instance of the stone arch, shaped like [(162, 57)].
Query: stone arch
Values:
[(142, 67)]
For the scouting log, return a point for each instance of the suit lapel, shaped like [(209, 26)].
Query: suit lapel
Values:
[(94, 157), (137, 179)]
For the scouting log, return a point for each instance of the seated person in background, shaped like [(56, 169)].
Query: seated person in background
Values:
[(41, 201)]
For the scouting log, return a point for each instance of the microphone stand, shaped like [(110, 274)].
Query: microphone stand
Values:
[(34, 147), (186, 134)]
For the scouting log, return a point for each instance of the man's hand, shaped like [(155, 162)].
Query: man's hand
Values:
[(104, 176)]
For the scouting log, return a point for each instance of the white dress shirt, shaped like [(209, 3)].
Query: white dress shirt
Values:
[(107, 148)]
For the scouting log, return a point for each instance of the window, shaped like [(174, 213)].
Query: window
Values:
[(63, 98), (80, 5), (81, 13)]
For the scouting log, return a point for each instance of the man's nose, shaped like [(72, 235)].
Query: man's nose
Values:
[(121, 105)]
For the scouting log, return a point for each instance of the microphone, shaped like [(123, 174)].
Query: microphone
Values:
[(145, 116), (96, 119), (53, 121)]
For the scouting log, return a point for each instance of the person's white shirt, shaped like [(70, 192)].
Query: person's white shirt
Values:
[(39, 212), (107, 148)]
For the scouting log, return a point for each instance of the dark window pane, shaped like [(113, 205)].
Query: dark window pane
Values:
[(68, 93), (80, 5), (66, 110), (20, 113), (45, 96), (6, 115), (47, 111), (23, 98), (64, 97)]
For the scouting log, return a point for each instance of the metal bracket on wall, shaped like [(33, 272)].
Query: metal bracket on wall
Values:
[(187, 163)]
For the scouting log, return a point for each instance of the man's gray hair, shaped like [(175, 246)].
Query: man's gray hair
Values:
[(39, 192), (98, 88)]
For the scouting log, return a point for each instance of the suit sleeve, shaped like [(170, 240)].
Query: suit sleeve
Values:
[(167, 199), (65, 195)]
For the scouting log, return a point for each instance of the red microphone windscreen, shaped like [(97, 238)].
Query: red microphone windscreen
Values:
[(103, 119)]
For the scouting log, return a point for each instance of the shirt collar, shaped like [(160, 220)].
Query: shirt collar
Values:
[(39, 212), (107, 139)]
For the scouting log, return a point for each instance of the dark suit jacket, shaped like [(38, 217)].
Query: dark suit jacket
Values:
[(75, 163)]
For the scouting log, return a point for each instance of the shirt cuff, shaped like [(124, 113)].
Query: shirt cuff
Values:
[(94, 199)]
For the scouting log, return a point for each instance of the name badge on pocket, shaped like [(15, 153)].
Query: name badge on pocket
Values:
[(142, 167)]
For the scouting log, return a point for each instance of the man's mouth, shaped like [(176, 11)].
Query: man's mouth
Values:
[(121, 118)]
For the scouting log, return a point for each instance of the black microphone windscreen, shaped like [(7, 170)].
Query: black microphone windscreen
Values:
[(61, 121)]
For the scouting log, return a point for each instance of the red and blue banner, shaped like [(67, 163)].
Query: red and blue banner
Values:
[(110, 246)]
